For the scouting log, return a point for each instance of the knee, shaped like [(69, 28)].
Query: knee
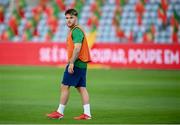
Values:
[(64, 87), (82, 89)]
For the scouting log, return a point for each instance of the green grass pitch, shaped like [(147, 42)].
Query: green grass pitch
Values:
[(116, 96)]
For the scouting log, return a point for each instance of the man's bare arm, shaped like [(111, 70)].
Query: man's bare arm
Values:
[(77, 48)]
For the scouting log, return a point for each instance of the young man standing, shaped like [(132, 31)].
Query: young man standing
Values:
[(75, 72)]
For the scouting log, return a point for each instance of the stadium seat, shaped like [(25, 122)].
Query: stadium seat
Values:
[(105, 30)]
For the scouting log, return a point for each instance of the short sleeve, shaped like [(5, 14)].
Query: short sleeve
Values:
[(77, 35)]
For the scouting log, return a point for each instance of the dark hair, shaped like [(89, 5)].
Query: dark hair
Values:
[(71, 12)]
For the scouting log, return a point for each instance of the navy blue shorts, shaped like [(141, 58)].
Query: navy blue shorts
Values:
[(77, 79)]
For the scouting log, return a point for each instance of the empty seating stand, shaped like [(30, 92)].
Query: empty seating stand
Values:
[(106, 31)]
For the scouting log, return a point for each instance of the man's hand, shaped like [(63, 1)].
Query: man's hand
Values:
[(71, 68)]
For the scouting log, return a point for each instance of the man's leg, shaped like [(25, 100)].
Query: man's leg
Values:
[(63, 98), (85, 100), (63, 101), (84, 95), (64, 94)]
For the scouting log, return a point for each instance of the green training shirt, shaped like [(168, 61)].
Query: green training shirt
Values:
[(78, 36)]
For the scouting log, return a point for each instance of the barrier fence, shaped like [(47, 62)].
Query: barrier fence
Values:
[(113, 55)]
